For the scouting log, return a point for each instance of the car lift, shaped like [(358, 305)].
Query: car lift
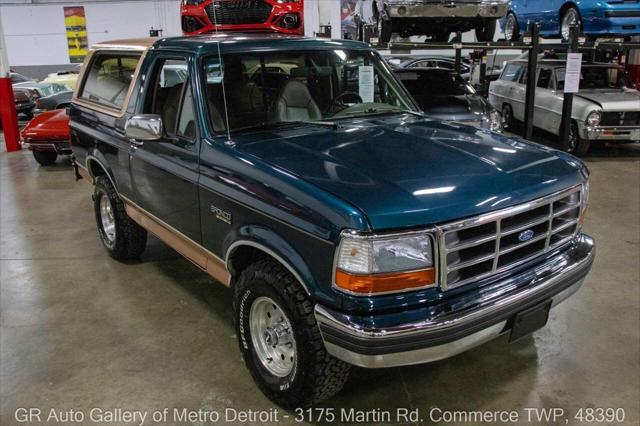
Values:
[(529, 42)]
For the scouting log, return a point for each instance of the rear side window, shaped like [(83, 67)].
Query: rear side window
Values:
[(544, 78), (512, 72), (109, 78)]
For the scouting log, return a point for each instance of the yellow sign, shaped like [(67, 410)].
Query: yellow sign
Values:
[(76, 25)]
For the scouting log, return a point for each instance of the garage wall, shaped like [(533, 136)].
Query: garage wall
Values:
[(35, 34)]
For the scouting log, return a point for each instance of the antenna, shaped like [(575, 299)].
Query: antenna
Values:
[(228, 142)]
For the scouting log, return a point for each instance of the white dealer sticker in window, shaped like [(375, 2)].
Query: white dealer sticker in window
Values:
[(366, 83)]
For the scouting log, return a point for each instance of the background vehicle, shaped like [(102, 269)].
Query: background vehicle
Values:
[(198, 16), (314, 192), (55, 101), (443, 62), (47, 136), (444, 95), (66, 78), (18, 78), (433, 18), (40, 90), (605, 109), (595, 18), (24, 102)]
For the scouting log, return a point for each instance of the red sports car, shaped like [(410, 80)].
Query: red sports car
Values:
[(205, 16), (47, 135)]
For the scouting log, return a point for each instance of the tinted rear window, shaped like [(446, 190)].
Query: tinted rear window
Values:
[(424, 84), (109, 78)]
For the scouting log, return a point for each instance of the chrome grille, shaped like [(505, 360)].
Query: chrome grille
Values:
[(476, 248)]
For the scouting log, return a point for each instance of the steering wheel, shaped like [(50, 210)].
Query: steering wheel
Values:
[(343, 100)]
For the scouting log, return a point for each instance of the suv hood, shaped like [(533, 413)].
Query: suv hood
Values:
[(614, 99), (405, 171)]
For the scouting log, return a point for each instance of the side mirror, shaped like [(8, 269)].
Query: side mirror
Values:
[(144, 127)]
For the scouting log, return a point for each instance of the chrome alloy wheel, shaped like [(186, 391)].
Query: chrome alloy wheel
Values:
[(569, 18), (272, 337), (510, 27), (107, 219)]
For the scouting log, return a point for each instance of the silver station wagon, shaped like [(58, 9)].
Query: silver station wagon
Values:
[(605, 109)]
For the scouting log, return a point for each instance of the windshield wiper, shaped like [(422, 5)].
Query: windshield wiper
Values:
[(331, 124), (273, 125), (376, 111)]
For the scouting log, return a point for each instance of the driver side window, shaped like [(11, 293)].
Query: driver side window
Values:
[(167, 89)]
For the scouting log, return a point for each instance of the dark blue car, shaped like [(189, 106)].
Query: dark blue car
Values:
[(595, 18), (350, 228)]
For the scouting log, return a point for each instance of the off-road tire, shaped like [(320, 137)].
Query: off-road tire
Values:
[(316, 375), (130, 238), (45, 158)]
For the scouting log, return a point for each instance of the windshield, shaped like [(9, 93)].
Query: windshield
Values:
[(597, 78), (273, 88)]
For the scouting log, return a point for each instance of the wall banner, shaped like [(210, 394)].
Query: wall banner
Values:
[(76, 26)]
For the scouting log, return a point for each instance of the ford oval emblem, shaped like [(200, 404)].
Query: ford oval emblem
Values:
[(525, 236)]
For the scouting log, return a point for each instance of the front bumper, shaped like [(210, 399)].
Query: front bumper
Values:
[(613, 133), (356, 341), (452, 9), (61, 147)]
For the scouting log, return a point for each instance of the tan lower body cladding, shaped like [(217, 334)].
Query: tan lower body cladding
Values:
[(201, 257)]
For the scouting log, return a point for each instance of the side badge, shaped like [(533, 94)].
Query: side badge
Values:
[(221, 214)]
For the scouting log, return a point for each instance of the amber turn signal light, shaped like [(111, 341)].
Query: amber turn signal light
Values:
[(383, 283)]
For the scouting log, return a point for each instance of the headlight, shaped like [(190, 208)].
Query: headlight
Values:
[(369, 265), (495, 121), (585, 202), (593, 119)]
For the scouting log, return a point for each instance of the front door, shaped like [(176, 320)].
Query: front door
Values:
[(165, 172)]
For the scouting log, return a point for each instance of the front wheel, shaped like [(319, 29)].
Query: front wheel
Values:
[(511, 29), (280, 340), (508, 122), (576, 145), (570, 17), (122, 237), (45, 158), (384, 29), (486, 31)]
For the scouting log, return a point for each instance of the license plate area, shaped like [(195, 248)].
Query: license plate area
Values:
[(530, 320)]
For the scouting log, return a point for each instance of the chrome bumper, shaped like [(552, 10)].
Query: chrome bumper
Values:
[(613, 133), (450, 9), (455, 332), (61, 147)]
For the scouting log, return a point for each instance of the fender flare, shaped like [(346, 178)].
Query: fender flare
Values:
[(278, 248), (92, 157)]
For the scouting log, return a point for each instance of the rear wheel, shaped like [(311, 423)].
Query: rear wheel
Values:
[(45, 158), (122, 237), (486, 31), (280, 340), (384, 29)]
